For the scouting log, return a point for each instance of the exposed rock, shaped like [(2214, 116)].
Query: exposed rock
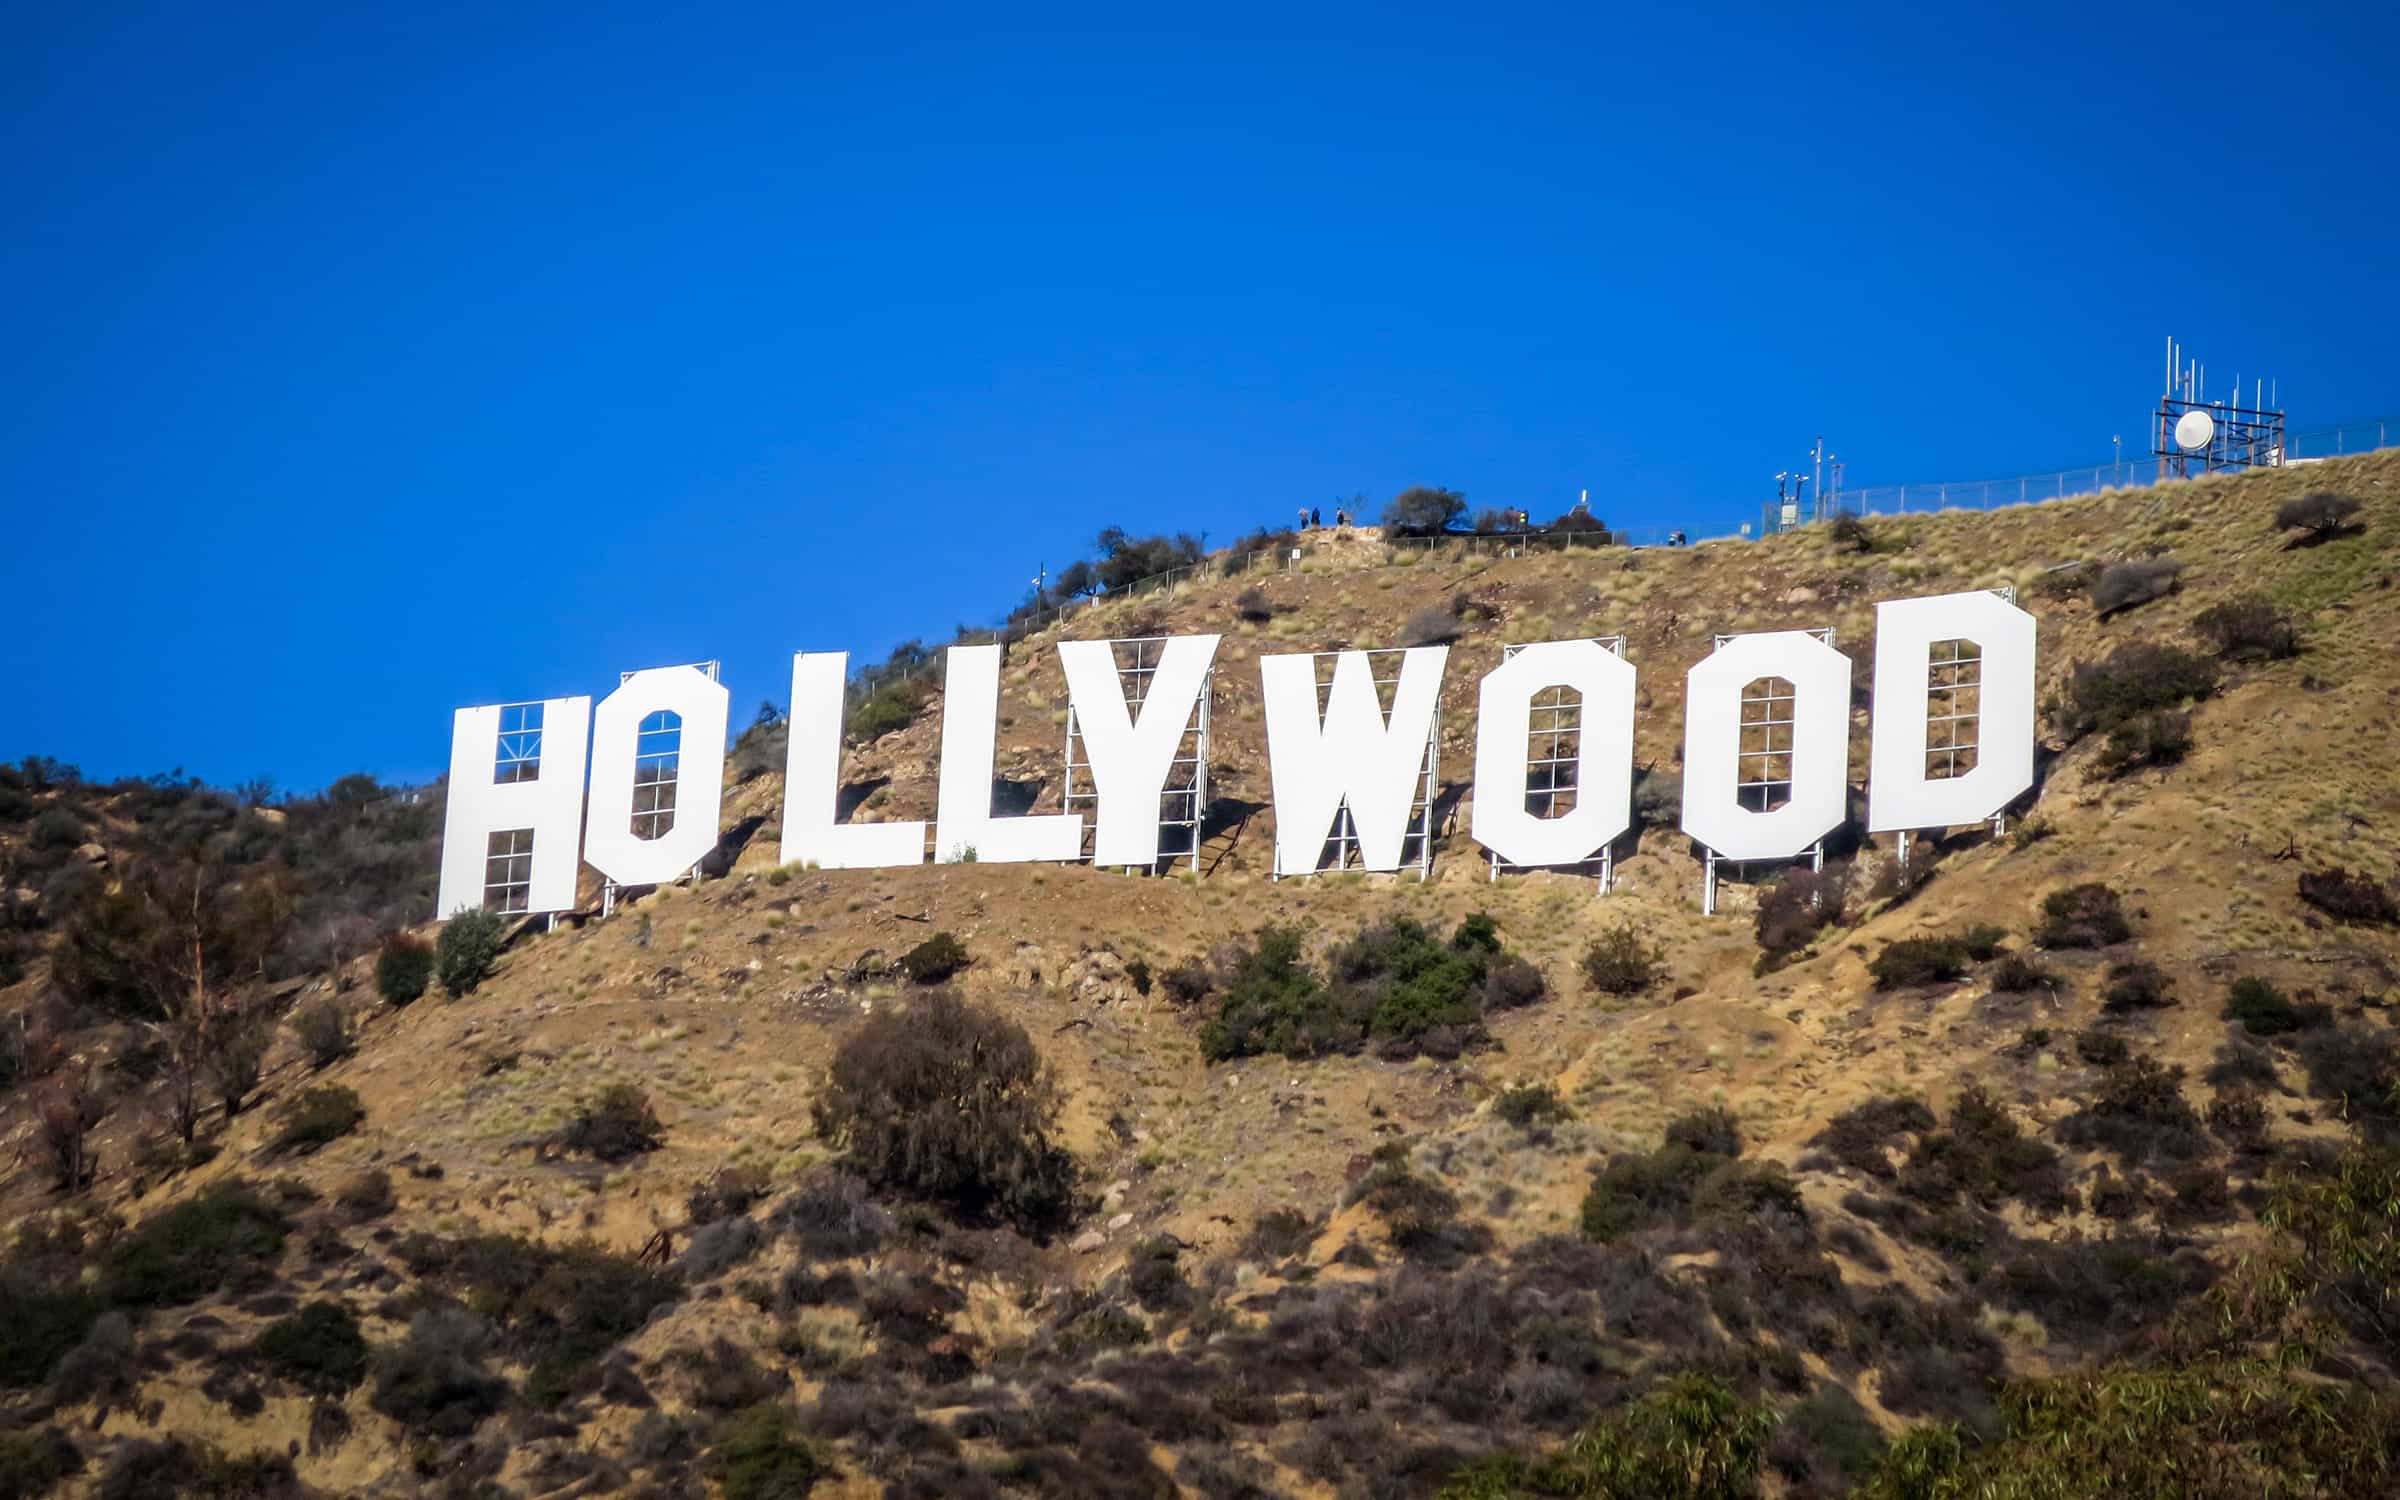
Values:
[(1088, 1242)]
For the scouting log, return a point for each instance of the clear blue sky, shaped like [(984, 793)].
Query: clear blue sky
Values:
[(356, 367)]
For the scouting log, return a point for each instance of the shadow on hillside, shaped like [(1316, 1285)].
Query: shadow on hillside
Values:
[(2320, 538), (854, 794)]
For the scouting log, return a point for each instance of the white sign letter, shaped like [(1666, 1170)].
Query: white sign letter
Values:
[(516, 806), (1899, 793), (1603, 807), (658, 775), (1130, 757), (963, 819), (812, 771), (1818, 759), (1350, 756)]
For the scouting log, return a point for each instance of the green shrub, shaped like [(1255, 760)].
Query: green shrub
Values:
[(1920, 960), (1418, 1213), (949, 1101), (1395, 982), (1634, 1191), (403, 968), (43, 1323), (367, 1196), (2101, 1048), (1279, 1234), (324, 1032), (2359, 899), (35, 1460), (1526, 1105), (2247, 628), (2082, 916), (2015, 973), (1798, 906), (2136, 985), (1981, 942), (1982, 1157), (2140, 1113), (1691, 1438), (2322, 515), (1620, 961), (886, 709), (190, 1250), (319, 1348), (1423, 510), (564, 1307), (434, 1380), (2262, 1009), (616, 1124), (1864, 1136), (1155, 1278), (935, 959), (1711, 1132), (761, 1456), (2138, 677), (319, 1117), (468, 947), (2158, 737)]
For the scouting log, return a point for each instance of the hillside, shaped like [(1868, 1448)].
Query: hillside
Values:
[(1351, 1273)]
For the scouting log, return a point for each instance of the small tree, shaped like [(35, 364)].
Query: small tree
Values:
[(949, 1101), (2322, 515), (1251, 604), (467, 949), (403, 968), (1423, 510), (237, 1053), (67, 1108), (617, 1124), (1622, 962), (2082, 916), (2159, 737)]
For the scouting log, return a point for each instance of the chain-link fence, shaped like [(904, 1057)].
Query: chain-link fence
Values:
[(1891, 499), (2025, 489)]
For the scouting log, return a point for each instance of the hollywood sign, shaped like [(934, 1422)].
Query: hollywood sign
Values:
[(537, 788)]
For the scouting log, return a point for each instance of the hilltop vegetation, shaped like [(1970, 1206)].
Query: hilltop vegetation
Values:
[(2062, 1161)]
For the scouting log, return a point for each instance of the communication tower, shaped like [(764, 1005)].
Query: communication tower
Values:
[(2190, 434)]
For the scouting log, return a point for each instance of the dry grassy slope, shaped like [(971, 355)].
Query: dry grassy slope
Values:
[(716, 999)]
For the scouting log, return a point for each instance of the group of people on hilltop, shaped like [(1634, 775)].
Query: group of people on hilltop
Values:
[(1313, 519)]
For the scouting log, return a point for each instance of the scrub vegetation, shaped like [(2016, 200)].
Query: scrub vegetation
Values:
[(2058, 1162)]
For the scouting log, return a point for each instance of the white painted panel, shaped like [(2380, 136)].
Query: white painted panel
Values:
[(551, 804), (812, 774), (1603, 764), (1350, 755), (1899, 795), (608, 838), (970, 728), (1712, 737), (1130, 755)]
